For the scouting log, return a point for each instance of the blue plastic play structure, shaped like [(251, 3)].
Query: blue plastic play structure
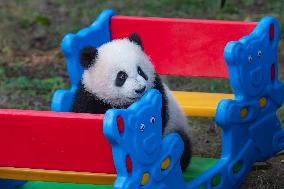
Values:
[(142, 141), (71, 45), (251, 129)]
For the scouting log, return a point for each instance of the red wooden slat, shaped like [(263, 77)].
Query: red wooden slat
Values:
[(183, 47), (54, 141)]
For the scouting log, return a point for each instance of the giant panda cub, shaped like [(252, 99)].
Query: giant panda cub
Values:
[(117, 74)]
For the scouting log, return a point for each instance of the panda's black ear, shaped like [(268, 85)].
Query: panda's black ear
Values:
[(134, 37), (88, 56)]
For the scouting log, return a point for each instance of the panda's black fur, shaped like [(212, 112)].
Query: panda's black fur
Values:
[(86, 102)]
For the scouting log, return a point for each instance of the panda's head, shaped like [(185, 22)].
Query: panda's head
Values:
[(118, 72)]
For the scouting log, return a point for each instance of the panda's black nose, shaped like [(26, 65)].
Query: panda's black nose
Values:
[(139, 91)]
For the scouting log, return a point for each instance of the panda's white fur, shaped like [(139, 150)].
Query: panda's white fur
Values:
[(113, 57), (176, 116), (98, 91)]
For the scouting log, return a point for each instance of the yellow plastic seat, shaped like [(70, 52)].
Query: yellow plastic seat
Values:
[(200, 104)]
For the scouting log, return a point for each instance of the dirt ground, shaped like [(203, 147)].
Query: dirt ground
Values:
[(32, 66)]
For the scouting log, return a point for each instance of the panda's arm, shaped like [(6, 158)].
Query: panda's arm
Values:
[(85, 102)]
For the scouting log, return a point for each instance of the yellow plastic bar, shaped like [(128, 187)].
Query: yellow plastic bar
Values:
[(56, 176), (200, 104)]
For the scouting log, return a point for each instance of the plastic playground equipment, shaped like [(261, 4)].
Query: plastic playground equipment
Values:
[(113, 150)]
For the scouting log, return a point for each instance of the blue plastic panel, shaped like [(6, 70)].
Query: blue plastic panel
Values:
[(251, 129), (11, 184), (95, 35), (141, 141)]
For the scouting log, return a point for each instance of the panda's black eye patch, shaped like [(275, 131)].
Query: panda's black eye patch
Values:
[(120, 78), (140, 72)]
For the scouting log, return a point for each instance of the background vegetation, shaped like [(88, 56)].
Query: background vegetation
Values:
[(32, 66)]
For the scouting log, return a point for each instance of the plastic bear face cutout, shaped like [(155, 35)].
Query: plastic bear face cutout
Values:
[(142, 127), (142, 157), (147, 131), (252, 60)]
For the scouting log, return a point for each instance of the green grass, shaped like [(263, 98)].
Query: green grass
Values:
[(24, 93), (29, 27)]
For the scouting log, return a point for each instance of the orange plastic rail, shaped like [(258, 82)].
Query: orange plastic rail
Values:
[(56, 176)]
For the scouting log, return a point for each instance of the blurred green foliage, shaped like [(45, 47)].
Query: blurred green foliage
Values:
[(30, 26)]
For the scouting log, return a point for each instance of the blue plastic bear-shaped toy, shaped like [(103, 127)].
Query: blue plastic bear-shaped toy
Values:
[(252, 63), (252, 131), (143, 158)]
